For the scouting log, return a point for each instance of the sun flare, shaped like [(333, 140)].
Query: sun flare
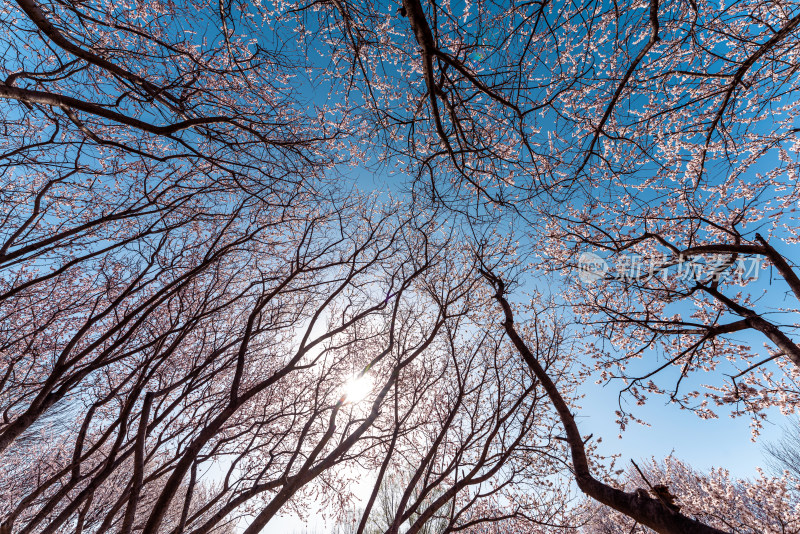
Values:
[(357, 388)]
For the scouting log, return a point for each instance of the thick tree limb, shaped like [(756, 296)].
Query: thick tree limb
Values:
[(30, 96), (37, 16), (644, 509)]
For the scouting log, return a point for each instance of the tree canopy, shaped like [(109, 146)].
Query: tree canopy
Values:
[(253, 251)]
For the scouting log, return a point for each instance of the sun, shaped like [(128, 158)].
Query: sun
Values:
[(357, 388)]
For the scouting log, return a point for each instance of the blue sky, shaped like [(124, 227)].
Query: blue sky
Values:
[(723, 442)]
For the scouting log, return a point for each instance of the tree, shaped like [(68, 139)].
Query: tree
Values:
[(252, 387), (188, 279), (784, 454), (682, 290), (658, 131), (481, 438), (689, 184), (136, 157), (649, 511), (767, 504)]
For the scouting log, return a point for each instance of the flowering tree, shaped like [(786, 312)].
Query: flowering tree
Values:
[(188, 284), (664, 132), (137, 160), (766, 504), (649, 511), (247, 382), (689, 189), (473, 465)]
